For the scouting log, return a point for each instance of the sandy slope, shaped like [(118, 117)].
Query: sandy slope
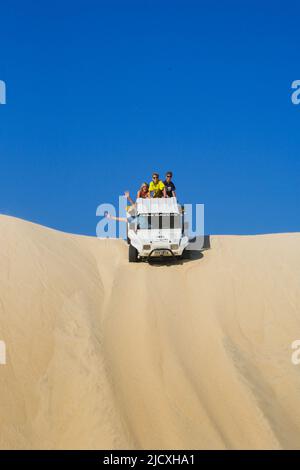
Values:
[(104, 354)]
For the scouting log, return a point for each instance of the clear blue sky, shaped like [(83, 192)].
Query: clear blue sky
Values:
[(101, 93)]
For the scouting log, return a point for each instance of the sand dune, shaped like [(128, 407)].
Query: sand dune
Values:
[(105, 354)]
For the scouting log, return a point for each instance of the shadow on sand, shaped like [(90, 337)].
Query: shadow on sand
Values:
[(190, 256)]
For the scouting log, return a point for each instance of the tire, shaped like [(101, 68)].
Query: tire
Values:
[(132, 254)]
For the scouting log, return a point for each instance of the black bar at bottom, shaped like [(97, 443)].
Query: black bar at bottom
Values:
[(151, 458)]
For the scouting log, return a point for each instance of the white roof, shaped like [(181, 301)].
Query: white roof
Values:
[(157, 205)]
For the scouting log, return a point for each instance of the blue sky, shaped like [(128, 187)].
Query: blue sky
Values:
[(101, 93)]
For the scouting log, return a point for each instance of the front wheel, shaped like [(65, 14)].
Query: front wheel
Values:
[(132, 254)]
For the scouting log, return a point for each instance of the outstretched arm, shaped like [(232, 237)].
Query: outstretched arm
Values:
[(112, 217)]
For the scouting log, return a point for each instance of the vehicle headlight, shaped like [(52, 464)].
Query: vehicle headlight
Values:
[(146, 247), (174, 246)]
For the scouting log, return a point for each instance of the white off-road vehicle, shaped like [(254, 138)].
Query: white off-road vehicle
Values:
[(156, 229)]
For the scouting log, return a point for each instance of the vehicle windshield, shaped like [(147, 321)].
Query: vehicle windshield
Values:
[(159, 221)]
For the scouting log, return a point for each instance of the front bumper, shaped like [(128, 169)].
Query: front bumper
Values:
[(161, 253), (159, 250)]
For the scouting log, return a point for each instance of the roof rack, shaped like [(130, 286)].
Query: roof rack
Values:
[(157, 205)]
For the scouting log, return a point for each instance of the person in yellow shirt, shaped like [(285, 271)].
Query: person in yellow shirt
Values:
[(157, 187)]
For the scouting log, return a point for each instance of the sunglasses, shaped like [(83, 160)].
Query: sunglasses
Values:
[(168, 176), (155, 177)]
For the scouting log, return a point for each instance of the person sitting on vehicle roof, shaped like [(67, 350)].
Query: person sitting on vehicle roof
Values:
[(143, 192), (169, 185), (157, 187)]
